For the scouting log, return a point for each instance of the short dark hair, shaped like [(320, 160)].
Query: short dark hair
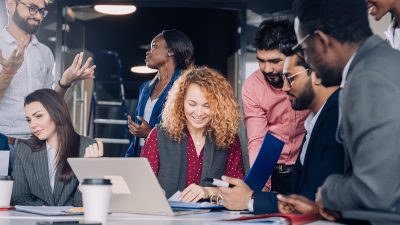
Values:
[(345, 20), (180, 45), (68, 139), (287, 49), (273, 31)]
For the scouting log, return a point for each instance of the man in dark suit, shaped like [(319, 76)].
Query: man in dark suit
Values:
[(320, 156), (339, 44)]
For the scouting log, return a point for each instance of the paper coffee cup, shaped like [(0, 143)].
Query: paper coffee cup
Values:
[(96, 195), (6, 184)]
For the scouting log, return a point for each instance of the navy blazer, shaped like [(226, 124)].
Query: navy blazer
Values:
[(145, 92), (324, 156), (3, 142)]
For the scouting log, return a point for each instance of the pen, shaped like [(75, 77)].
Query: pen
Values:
[(218, 182)]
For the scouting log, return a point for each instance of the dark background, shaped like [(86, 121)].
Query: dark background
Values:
[(213, 27)]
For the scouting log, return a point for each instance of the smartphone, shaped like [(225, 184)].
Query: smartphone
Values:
[(130, 120)]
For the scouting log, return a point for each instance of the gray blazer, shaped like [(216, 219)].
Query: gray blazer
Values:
[(31, 179), (370, 128)]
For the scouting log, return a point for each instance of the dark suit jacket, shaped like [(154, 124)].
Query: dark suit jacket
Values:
[(3, 142), (370, 128), (32, 183), (144, 94), (324, 156)]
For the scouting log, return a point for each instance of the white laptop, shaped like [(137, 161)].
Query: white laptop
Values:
[(135, 188)]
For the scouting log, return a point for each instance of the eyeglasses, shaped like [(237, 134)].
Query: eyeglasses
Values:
[(297, 47), (290, 78), (33, 9)]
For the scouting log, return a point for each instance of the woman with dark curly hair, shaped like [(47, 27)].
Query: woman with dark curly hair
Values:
[(197, 137)]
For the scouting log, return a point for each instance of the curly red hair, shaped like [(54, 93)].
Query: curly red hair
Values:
[(224, 123)]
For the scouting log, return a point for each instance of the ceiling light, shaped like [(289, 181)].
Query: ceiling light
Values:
[(115, 9), (142, 69), (52, 39)]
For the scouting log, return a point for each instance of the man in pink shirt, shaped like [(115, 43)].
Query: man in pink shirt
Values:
[(266, 107)]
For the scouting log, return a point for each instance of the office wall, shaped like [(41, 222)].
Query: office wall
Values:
[(379, 27)]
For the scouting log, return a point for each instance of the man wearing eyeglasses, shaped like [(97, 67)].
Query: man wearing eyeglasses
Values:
[(266, 107), (320, 155), (341, 46), (26, 65)]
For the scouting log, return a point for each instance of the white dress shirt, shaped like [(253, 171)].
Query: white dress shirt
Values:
[(309, 125), (346, 70), (393, 35), (51, 160), (36, 72), (148, 109)]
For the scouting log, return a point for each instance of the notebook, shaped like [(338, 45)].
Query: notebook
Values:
[(265, 162), (176, 204), (135, 188), (49, 210)]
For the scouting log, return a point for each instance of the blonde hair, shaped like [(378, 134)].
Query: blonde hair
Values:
[(224, 123)]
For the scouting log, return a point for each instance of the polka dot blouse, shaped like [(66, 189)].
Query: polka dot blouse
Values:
[(234, 164)]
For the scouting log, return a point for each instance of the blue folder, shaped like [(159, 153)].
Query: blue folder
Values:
[(265, 162)]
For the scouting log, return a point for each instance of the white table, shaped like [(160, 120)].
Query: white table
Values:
[(21, 218)]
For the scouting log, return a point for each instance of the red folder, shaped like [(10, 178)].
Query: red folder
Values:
[(294, 219), (7, 208)]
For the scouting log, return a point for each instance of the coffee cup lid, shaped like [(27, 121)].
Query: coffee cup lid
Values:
[(6, 178), (96, 181)]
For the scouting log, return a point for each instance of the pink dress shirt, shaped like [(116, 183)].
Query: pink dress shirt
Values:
[(265, 109)]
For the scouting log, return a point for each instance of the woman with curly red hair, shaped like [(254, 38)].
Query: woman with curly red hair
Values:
[(197, 137)]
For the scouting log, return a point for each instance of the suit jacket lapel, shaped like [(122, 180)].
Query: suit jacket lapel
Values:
[(315, 132), (297, 170), (161, 100), (368, 44), (147, 90), (58, 187), (42, 174)]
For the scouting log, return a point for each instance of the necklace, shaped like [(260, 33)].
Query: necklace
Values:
[(159, 89), (196, 141)]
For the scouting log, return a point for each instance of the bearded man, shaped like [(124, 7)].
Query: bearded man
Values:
[(27, 65), (267, 108)]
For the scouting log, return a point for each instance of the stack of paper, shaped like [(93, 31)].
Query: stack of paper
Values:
[(194, 205), (175, 203)]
